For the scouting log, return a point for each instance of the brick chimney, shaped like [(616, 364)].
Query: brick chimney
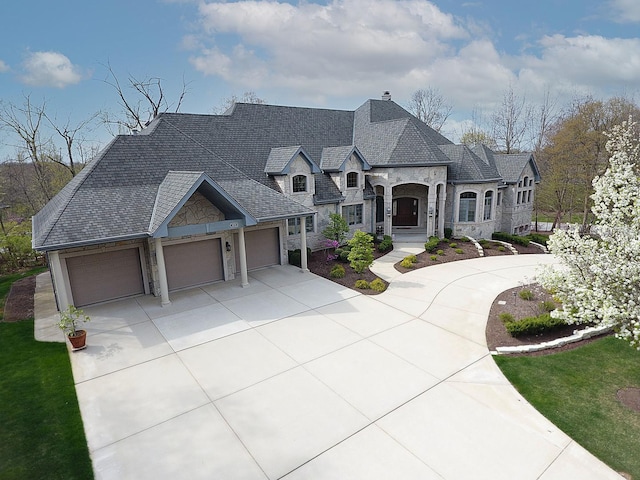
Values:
[(386, 95)]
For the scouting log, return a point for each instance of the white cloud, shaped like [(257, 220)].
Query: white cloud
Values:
[(3, 67), (626, 10), (585, 63), (50, 69), (343, 46)]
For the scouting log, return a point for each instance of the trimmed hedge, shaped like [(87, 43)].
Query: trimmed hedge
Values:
[(536, 237), (386, 244), (337, 272), (507, 237), (378, 285), (363, 284), (534, 325)]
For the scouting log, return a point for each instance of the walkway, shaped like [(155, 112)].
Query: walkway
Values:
[(297, 377)]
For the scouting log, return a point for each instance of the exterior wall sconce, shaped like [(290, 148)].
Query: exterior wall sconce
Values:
[(431, 211), (388, 210), (228, 246)]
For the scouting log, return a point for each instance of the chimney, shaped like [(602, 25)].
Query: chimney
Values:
[(386, 95)]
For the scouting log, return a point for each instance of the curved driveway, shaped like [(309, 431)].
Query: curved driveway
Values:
[(296, 377)]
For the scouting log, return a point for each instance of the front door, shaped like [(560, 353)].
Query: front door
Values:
[(405, 212)]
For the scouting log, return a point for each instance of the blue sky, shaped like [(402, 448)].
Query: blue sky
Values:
[(333, 54)]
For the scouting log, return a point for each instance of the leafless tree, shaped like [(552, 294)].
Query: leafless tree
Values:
[(430, 107), (246, 97), (72, 143), (146, 103), (543, 116), (511, 121)]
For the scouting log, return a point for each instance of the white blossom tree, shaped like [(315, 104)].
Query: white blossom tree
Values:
[(599, 276)]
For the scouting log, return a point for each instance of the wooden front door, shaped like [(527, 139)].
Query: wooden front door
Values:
[(405, 212)]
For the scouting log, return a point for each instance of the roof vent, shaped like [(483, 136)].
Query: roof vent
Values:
[(386, 95)]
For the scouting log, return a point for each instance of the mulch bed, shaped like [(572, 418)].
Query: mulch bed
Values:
[(19, 304), (497, 335), (318, 264)]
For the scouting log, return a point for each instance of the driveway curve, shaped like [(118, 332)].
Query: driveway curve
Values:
[(296, 377)]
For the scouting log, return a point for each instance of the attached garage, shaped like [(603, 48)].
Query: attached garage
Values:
[(105, 276), (193, 263), (263, 248)]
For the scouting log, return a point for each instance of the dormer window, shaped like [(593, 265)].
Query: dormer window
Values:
[(299, 183), (352, 180)]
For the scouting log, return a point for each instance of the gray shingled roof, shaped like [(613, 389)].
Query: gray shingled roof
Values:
[(467, 167), (333, 159), (132, 184), (511, 166)]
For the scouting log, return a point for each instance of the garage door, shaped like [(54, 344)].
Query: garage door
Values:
[(193, 263), (105, 276), (263, 248)]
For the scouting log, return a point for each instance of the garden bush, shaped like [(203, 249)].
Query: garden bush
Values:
[(432, 244), (363, 284), (453, 245), (344, 255), (534, 325), (507, 237), (526, 294), (378, 285), (501, 248), (406, 263), (448, 233), (337, 272), (536, 237), (386, 244), (547, 306), (295, 257), (361, 252), (506, 317), (434, 258), (459, 250), (440, 252)]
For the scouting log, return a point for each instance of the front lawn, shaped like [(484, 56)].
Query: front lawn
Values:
[(577, 389), (41, 432)]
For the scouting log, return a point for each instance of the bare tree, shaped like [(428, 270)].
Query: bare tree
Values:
[(477, 133), (510, 122), (542, 118), (430, 107), (72, 143), (246, 97), (146, 103)]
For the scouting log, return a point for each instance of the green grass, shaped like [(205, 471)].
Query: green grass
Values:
[(576, 390), (41, 432)]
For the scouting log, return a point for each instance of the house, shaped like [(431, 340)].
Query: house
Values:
[(194, 199)]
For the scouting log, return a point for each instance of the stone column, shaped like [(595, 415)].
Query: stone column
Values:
[(242, 253), (388, 205), (162, 273), (441, 207), (58, 281), (303, 244), (431, 211)]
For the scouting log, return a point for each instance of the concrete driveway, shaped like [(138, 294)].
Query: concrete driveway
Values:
[(297, 377)]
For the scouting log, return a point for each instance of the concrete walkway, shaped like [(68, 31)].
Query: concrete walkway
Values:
[(297, 377)]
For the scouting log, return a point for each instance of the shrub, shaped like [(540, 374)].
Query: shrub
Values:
[(386, 244), (507, 237), (432, 244), (501, 248), (344, 256), (337, 272), (506, 317), (448, 233), (295, 257), (338, 251), (440, 252), (378, 285), (534, 325), (406, 263), (361, 254), (525, 294), (453, 245), (547, 306), (337, 229), (459, 250), (363, 284), (434, 258), (465, 239), (536, 237)]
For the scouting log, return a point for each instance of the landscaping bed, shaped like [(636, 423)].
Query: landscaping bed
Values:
[(318, 264)]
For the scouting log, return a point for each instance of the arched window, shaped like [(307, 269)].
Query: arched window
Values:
[(467, 209), (352, 180), (488, 201), (299, 183)]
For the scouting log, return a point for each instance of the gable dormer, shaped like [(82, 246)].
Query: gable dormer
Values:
[(346, 166), (293, 169)]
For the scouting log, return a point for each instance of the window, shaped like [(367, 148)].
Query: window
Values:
[(488, 200), (352, 214), (529, 196), (519, 197), (499, 199), (379, 208), (299, 183), (293, 225), (467, 212), (352, 180)]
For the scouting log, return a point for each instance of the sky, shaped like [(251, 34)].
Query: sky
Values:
[(327, 54)]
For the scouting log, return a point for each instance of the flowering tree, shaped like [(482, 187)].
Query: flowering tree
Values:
[(599, 277)]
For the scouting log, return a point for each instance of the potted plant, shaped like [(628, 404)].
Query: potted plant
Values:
[(69, 320)]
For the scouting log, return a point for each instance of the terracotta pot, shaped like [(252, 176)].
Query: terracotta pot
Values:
[(79, 340)]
